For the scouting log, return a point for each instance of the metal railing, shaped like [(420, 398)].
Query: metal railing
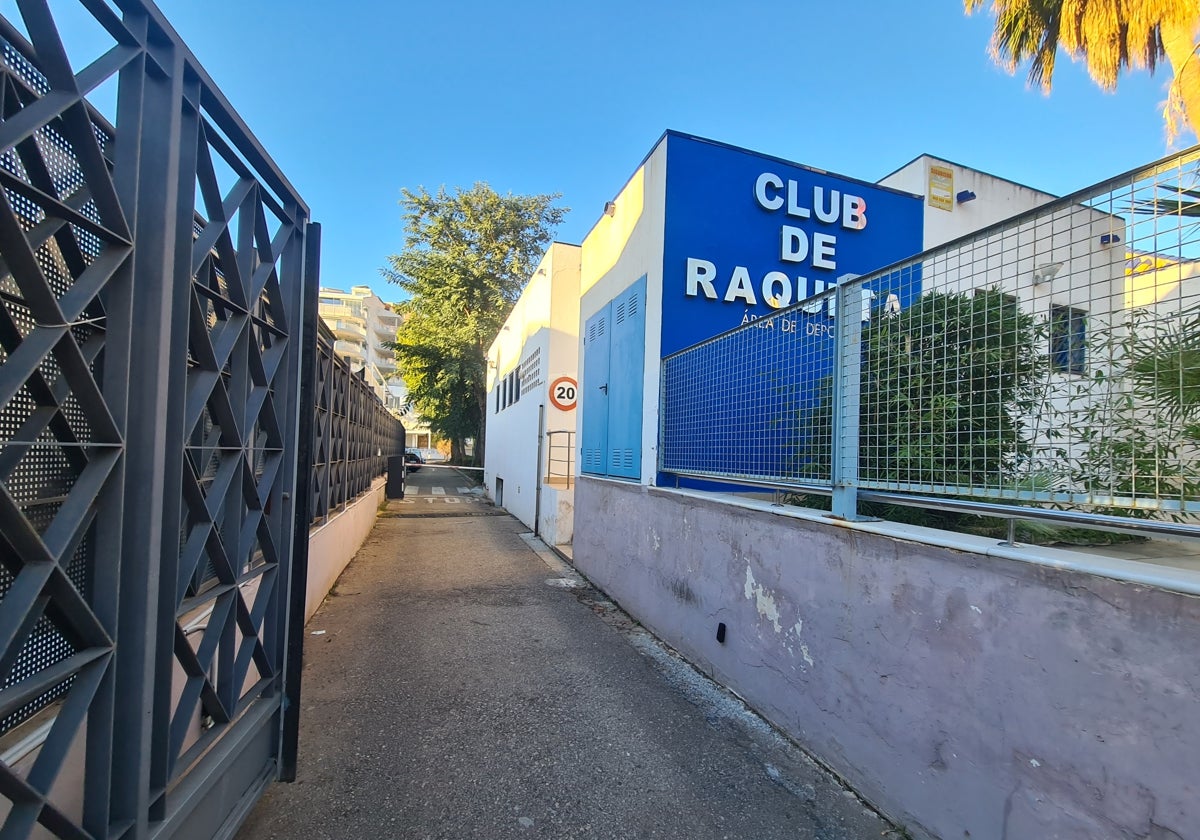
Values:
[(342, 311), (1051, 360), (353, 435), (357, 331), (560, 456)]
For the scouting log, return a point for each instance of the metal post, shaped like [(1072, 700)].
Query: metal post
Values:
[(297, 589), (847, 391), (151, 185), (537, 496)]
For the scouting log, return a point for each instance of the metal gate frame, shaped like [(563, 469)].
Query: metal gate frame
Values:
[(154, 274)]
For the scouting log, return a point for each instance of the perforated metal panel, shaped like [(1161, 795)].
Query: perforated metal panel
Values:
[(353, 433), (154, 272)]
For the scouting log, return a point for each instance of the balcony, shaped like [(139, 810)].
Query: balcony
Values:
[(348, 330), (349, 350), (386, 331), (331, 312)]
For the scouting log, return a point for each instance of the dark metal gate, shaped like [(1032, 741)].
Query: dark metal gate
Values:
[(154, 271)]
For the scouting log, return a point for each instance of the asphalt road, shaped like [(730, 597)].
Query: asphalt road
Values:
[(436, 490), (458, 684)]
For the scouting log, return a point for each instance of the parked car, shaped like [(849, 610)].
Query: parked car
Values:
[(413, 460)]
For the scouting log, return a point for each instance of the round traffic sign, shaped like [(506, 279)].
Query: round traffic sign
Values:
[(563, 393)]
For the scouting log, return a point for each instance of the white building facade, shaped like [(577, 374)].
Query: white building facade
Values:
[(363, 325), (532, 392)]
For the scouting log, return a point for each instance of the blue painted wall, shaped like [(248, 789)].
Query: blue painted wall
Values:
[(714, 217)]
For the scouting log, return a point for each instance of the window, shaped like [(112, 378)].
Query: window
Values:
[(1068, 339)]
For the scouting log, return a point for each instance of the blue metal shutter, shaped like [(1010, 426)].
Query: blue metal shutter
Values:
[(626, 377), (594, 397)]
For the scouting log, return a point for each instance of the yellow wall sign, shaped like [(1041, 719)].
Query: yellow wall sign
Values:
[(941, 187)]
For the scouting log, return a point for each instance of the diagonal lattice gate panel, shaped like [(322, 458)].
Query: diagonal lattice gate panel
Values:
[(154, 264), (65, 247)]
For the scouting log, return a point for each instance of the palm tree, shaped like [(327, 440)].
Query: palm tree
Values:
[(1110, 36)]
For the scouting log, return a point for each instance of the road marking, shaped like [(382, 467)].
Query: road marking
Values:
[(412, 490), (438, 491), (462, 491), (436, 498)]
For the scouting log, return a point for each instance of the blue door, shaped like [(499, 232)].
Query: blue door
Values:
[(627, 376), (614, 352), (594, 402)]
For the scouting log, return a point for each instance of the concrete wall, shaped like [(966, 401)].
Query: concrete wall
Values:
[(512, 432), (540, 338), (333, 545), (968, 690), (617, 251), (556, 525), (996, 199)]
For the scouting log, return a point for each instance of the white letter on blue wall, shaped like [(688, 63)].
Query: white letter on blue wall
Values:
[(795, 244), (854, 212), (740, 287), (760, 191), (794, 208), (784, 298), (835, 207), (700, 274), (823, 245)]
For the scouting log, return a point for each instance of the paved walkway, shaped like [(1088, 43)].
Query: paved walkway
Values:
[(457, 686)]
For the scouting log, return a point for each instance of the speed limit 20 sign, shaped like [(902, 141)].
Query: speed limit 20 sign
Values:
[(563, 393)]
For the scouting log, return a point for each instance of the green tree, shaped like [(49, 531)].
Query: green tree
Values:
[(466, 258), (948, 385), (1141, 418), (1110, 36)]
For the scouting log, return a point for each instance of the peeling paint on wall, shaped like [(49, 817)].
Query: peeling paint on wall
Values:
[(764, 601)]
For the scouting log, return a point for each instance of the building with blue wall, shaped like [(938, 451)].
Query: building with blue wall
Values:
[(703, 238)]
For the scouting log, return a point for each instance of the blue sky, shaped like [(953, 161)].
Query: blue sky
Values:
[(358, 99)]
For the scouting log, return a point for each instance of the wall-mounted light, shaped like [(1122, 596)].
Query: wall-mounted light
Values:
[(1110, 239), (1046, 273), (610, 208), (965, 196)]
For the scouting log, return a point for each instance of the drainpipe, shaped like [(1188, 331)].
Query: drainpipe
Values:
[(537, 495)]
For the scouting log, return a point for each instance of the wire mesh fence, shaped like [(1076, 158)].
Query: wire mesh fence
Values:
[(733, 406), (1052, 359)]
